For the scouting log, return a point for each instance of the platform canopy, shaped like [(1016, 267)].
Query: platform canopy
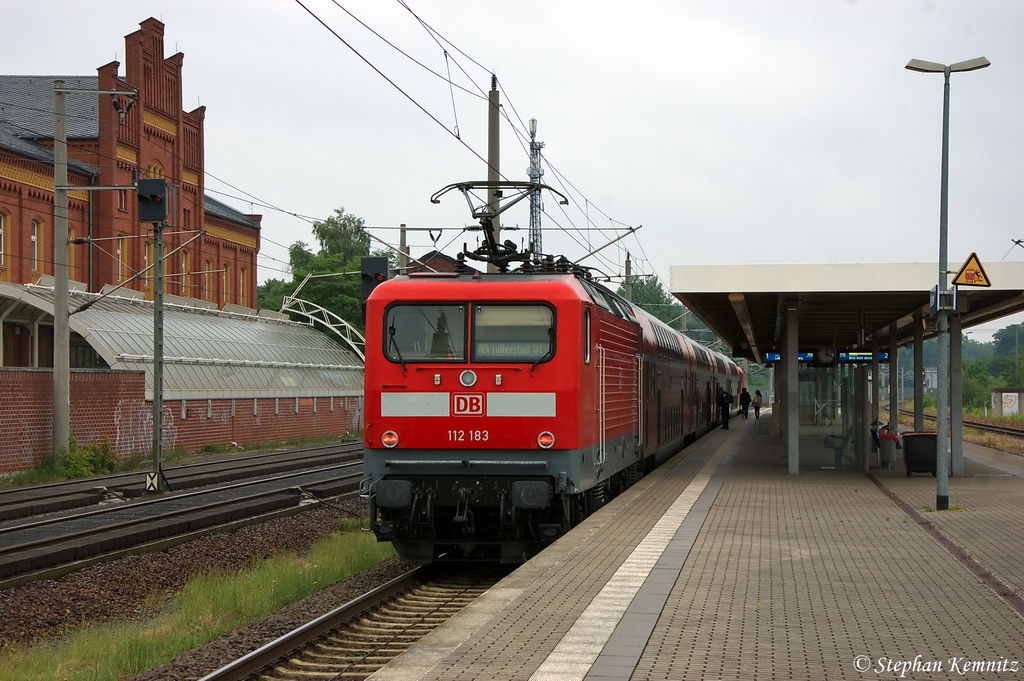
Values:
[(208, 354), (842, 306)]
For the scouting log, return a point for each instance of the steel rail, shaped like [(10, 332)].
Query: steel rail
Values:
[(977, 425), (161, 516), (139, 476), (272, 652)]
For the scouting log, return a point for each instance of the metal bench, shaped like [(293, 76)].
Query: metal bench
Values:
[(839, 445)]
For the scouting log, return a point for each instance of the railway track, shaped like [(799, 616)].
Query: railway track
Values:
[(23, 502), (360, 637), (976, 425), (55, 546)]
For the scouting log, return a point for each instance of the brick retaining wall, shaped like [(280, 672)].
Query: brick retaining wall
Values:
[(112, 404)]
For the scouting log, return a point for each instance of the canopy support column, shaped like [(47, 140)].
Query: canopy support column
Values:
[(791, 399)]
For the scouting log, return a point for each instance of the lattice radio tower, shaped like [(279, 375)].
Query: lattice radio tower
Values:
[(536, 172)]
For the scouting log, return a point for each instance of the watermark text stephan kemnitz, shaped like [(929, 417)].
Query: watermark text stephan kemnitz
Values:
[(956, 665)]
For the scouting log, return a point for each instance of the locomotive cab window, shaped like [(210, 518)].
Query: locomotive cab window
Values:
[(425, 332), (513, 333)]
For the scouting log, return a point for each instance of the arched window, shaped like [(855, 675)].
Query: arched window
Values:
[(243, 289), (4, 229), (36, 245), (227, 283), (122, 257), (186, 269), (208, 279)]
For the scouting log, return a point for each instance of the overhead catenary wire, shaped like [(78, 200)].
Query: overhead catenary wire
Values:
[(453, 56), (445, 48), (389, 80)]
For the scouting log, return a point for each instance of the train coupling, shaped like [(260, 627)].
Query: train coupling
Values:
[(463, 515)]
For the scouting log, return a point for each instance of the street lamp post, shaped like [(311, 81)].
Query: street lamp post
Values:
[(943, 297)]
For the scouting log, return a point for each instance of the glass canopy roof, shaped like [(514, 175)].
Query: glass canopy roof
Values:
[(208, 354)]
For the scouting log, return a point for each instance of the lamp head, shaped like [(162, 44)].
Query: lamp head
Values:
[(925, 66), (933, 67), (970, 64)]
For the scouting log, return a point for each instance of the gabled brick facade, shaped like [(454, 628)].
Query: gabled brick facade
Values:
[(108, 147)]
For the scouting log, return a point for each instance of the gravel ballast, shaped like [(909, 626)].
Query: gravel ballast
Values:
[(132, 588)]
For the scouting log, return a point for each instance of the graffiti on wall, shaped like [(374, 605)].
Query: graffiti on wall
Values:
[(1011, 402), (354, 406), (133, 421)]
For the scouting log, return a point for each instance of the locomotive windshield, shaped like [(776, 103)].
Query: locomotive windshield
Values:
[(425, 333), (513, 333)]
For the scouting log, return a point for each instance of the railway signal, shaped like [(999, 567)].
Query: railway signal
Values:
[(152, 200), (373, 271)]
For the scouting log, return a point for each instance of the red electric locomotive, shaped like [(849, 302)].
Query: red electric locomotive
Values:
[(502, 409)]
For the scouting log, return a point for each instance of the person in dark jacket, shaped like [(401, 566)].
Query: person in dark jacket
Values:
[(724, 400), (744, 401)]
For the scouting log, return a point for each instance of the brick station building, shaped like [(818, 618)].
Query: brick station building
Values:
[(112, 141)]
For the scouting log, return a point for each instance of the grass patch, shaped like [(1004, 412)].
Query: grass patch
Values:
[(207, 607), (76, 461), (83, 461)]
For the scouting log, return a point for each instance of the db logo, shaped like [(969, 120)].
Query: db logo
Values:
[(468, 405)]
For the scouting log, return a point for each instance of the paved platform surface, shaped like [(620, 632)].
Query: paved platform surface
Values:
[(720, 565)]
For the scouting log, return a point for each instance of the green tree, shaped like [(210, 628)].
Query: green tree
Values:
[(650, 296), (977, 383), (1007, 356), (343, 242), (342, 235)]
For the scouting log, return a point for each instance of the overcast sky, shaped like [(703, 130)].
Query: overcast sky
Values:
[(733, 131)]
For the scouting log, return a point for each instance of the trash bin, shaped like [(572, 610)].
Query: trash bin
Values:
[(920, 451), (887, 446)]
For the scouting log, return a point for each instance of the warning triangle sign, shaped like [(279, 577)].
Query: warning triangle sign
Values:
[(972, 274)]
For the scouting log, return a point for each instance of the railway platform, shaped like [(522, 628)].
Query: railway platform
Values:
[(722, 565)]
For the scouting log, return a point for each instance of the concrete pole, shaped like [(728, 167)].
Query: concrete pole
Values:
[(894, 385), (876, 385), (629, 278), (780, 388), (494, 159), (403, 251), (158, 356), (792, 365), (864, 412), (918, 374), (61, 333)]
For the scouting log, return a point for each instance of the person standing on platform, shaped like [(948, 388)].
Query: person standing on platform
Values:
[(744, 402), (724, 400), (756, 403)]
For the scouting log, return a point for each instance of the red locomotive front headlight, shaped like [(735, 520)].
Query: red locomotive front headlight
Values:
[(546, 440), (389, 439)]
